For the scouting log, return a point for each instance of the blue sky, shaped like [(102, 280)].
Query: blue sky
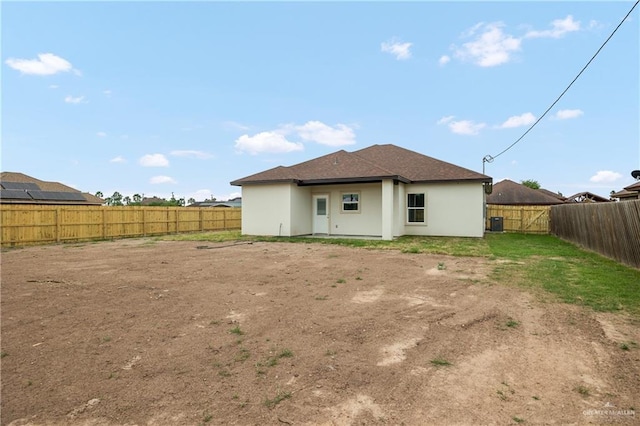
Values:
[(157, 97)]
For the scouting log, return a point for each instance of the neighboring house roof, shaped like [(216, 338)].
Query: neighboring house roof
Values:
[(630, 192), (370, 164), (231, 203), (633, 187), (553, 194), (147, 201), (586, 197), (507, 192), (18, 188)]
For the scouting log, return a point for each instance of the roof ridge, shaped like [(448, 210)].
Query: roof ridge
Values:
[(390, 172)]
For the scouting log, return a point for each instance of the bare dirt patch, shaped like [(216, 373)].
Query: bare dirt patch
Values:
[(138, 332)]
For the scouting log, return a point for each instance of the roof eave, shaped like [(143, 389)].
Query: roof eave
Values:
[(338, 181), (241, 182), (480, 179)]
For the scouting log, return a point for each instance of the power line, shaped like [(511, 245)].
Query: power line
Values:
[(489, 158)]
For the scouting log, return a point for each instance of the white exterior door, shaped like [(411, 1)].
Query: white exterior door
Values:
[(320, 214)]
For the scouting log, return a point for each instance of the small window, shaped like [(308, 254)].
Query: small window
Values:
[(351, 202), (415, 208)]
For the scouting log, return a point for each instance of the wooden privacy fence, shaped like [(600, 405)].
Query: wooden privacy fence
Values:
[(611, 229), (38, 224), (524, 219)]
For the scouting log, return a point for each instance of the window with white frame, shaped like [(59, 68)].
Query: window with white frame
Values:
[(351, 202), (415, 208)]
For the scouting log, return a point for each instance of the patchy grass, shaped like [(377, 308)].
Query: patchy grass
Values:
[(440, 362), (236, 330), (542, 262), (627, 346), (512, 323), (582, 390), (455, 246), (270, 403), (242, 355), (571, 274)]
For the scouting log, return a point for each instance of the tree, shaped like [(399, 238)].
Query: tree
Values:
[(99, 194), (127, 200), (115, 199), (137, 199), (533, 184), (191, 200)]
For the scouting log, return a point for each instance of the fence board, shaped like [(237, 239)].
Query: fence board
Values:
[(523, 219), (611, 229), (38, 224)]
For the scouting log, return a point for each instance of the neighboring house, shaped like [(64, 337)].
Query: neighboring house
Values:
[(631, 192), (586, 197), (383, 191), (18, 188), (234, 203), (152, 201), (510, 193)]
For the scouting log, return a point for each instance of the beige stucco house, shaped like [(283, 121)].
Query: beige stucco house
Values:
[(381, 191)]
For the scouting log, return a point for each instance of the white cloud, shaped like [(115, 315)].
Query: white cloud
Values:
[(191, 154), (162, 179), (519, 120), (101, 134), (461, 127), (319, 132), (154, 160), (444, 59), (565, 114), (46, 64), (466, 127), (53, 86), (560, 27), (77, 100), (605, 176), (398, 49), (272, 142), (446, 119), (107, 93), (490, 47), (118, 159)]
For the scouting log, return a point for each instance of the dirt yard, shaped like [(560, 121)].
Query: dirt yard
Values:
[(139, 332)]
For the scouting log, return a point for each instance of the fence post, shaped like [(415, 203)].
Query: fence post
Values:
[(200, 218), (104, 223), (144, 223), (57, 224)]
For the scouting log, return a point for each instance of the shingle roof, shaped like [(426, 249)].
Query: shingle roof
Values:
[(553, 194), (370, 164), (49, 187), (507, 192), (628, 192), (633, 187), (582, 197)]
